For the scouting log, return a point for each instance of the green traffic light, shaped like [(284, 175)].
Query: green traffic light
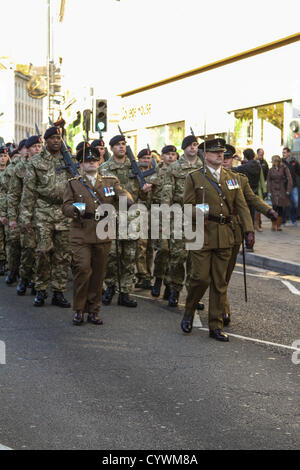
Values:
[(101, 126)]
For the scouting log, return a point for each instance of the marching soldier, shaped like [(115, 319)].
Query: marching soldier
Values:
[(100, 146), (209, 265), (119, 165), (28, 242), (4, 160), (90, 254), (172, 192), (41, 206), (253, 200), (12, 237), (144, 252), (162, 246)]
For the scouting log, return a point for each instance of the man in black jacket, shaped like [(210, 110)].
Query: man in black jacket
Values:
[(294, 167), (251, 168)]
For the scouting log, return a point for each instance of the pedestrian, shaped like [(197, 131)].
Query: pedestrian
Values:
[(172, 193), (252, 169), (89, 253), (262, 189), (209, 264), (279, 186), (27, 239), (122, 257), (41, 207), (293, 165)]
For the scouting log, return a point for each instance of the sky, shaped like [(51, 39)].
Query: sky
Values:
[(122, 45)]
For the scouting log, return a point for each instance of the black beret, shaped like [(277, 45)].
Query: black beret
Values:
[(214, 145), (86, 152), (22, 143), (98, 142), (116, 139), (3, 150), (144, 152), (169, 148), (51, 131), (34, 139), (188, 140), (229, 152)]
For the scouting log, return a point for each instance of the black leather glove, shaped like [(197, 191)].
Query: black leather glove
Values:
[(249, 239), (271, 214)]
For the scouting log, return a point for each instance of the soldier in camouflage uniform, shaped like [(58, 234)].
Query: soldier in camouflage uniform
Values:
[(28, 242), (172, 192), (41, 206), (144, 252), (119, 165), (12, 237), (4, 159), (161, 261)]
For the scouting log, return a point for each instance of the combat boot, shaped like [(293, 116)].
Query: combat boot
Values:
[(108, 295), (125, 300), (173, 299), (11, 277), (31, 286), (93, 318), (200, 306), (226, 318), (21, 288), (167, 292), (187, 323), (40, 298), (59, 300), (155, 291)]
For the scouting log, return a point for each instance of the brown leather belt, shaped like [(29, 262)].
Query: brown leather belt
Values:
[(222, 219)]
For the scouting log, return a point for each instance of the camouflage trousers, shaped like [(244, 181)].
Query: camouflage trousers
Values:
[(161, 260), (27, 261), (144, 259), (53, 257), (2, 244), (126, 259), (13, 248), (178, 264)]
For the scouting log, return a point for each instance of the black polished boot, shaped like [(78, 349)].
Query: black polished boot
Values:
[(59, 300), (30, 285), (94, 318), (200, 306), (167, 292), (108, 295), (78, 318), (11, 277), (40, 298), (173, 299), (21, 288), (187, 324), (125, 300), (226, 319)]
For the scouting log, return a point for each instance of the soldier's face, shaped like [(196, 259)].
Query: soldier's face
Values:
[(101, 151), (53, 143), (146, 159), (214, 159), (34, 149), (191, 150), (227, 163), (90, 166), (3, 159), (169, 158), (119, 149)]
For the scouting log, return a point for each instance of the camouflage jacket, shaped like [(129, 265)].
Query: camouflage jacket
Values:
[(157, 183), (4, 185), (124, 174), (15, 189), (44, 183), (173, 182)]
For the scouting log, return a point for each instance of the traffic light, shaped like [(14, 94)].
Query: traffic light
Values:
[(101, 115)]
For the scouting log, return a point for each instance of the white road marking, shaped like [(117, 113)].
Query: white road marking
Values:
[(256, 340), (247, 338), (4, 447), (197, 320), (290, 286)]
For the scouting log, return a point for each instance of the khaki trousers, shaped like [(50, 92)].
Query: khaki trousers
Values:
[(208, 269), (89, 266)]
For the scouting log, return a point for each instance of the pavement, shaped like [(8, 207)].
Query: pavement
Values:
[(276, 251)]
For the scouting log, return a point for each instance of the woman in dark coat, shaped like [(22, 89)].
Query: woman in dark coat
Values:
[(279, 185)]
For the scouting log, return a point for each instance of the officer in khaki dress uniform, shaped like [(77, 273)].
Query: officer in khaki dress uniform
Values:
[(209, 264), (253, 200), (90, 253)]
